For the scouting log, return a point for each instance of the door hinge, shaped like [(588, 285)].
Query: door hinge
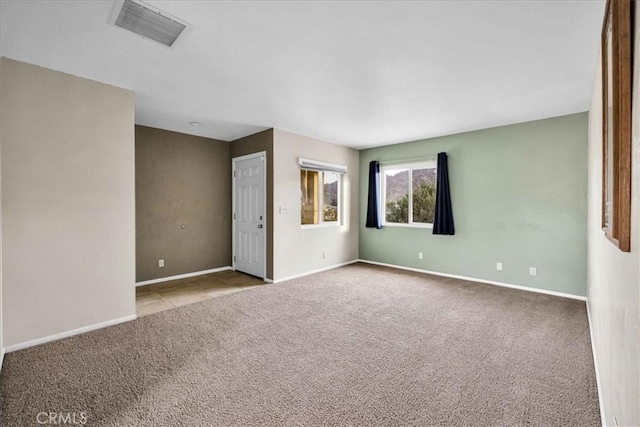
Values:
[(234, 174), (234, 258), (234, 215)]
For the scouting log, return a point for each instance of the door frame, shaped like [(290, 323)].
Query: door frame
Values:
[(233, 208)]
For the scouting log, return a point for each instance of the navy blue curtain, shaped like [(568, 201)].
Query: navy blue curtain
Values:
[(373, 216), (443, 222)]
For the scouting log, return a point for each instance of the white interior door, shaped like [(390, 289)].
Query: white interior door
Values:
[(249, 209)]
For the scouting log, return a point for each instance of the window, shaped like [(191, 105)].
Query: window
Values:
[(616, 123), (320, 193), (409, 194)]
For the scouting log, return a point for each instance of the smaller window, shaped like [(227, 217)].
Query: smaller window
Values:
[(320, 197), (320, 192), (409, 194)]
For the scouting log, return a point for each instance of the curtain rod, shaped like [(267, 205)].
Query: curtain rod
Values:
[(412, 160)]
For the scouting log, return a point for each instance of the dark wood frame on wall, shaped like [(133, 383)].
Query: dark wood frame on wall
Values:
[(616, 123)]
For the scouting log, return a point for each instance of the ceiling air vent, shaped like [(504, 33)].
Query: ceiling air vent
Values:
[(147, 21)]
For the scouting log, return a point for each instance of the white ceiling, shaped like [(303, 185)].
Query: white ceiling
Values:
[(359, 74)]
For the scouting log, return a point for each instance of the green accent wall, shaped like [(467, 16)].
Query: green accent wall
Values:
[(519, 196)]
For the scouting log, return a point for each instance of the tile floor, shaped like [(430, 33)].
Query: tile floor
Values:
[(166, 295)]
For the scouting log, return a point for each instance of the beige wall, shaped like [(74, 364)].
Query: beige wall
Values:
[(68, 202), (298, 250), (181, 180), (614, 277), (262, 141)]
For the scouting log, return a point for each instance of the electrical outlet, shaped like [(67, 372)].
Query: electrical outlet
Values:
[(532, 271), (499, 266), (420, 255), (160, 263)]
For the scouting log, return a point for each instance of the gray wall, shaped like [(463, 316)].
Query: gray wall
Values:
[(519, 197), (68, 202), (613, 276), (181, 180), (262, 141)]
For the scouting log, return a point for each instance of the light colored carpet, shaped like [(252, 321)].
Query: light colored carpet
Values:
[(360, 345)]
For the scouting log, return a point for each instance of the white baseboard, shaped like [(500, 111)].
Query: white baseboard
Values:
[(320, 270), (474, 279), (182, 276), (595, 364), (70, 333)]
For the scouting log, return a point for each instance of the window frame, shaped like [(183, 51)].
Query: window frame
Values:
[(320, 200), (617, 88), (410, 167)]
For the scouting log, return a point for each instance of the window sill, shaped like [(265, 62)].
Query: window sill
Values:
[(323, 225), (393, 224)]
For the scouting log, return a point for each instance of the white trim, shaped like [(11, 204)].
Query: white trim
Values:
[(474, 279), (411, 225), (182, 276), (319, 270), (70, 333), (320, 225), (431, 163), (266, 214), (595, 364), (251, 155), (317, 165), (267, 280)]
